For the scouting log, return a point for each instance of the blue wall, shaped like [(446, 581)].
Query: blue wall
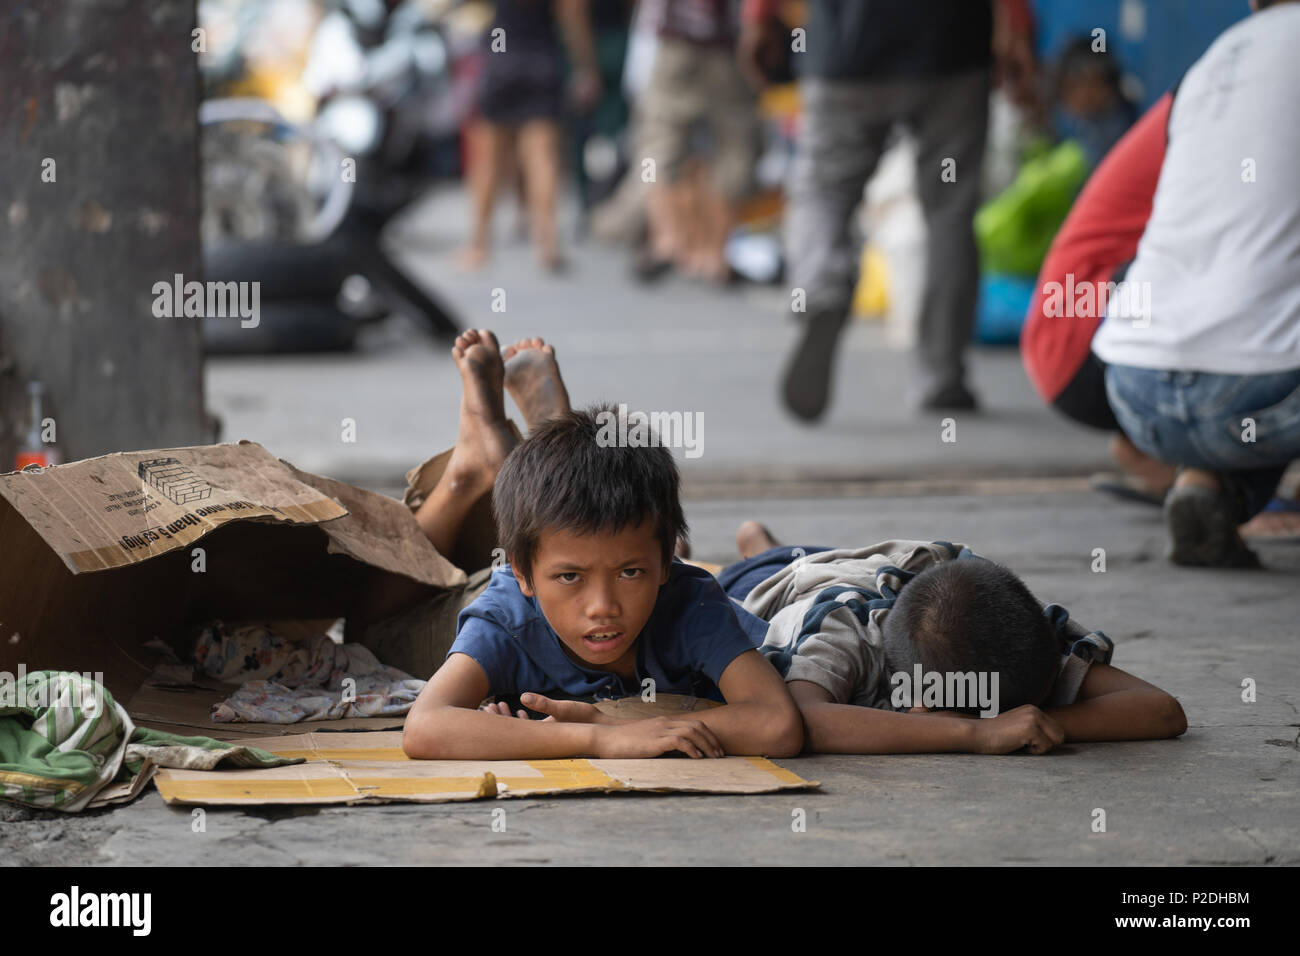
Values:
[(1156, 42)]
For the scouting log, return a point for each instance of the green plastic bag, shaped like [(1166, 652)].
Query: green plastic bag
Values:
[(1015, 228)]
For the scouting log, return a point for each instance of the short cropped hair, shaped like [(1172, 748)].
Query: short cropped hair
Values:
[(560, 478), (972, 614)]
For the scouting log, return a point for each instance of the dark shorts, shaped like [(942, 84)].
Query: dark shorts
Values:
[(742, 577), (1084, 398), (521, 86)]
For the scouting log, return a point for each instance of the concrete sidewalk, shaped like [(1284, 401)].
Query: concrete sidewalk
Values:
[(1226, 792), (1012, 486), (677, 346)]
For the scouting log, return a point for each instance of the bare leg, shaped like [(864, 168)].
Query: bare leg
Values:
[(539, 151), (513, 177), (662, 209), (689, 230), (1198, 478), (717, 220), (1155, 476), (483, 440), (489, 145), (752, 538), (533, 381)]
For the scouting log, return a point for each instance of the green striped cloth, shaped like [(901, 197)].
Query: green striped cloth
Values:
[(63, 738)]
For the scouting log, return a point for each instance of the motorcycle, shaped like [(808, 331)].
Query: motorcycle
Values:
[(301, 207)]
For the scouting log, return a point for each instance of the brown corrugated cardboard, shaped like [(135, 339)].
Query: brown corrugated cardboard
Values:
[(99, 556)]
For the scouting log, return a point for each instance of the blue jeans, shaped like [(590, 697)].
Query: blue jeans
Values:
[(1245, 428)]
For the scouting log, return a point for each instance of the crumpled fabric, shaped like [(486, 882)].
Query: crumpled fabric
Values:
[(287, 682), (63, 738)]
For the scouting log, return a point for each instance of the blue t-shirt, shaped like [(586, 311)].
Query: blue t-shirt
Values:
[(694, 632)]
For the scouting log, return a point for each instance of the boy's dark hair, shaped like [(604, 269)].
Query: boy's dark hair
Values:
[(974, 615), (562, 478)]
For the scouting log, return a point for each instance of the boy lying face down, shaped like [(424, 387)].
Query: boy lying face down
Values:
[(895, 648)]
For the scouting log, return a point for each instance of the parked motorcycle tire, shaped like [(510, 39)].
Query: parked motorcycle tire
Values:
[(285, 325)]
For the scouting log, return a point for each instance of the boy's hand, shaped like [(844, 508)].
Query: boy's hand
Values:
[(1022, 727), (502, 708), (655, 736), (570, 711)]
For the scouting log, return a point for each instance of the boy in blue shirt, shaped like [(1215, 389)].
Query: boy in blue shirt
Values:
[(592, 604)]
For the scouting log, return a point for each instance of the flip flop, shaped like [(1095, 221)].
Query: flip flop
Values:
[(1257, 529), (1125, 488), (1283, 504)]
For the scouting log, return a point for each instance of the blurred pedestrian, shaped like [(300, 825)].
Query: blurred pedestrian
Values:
[(869, 66), (520, 107), (695, 86)]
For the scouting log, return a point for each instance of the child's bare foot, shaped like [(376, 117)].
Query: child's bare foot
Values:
[(752, 538), (484, 437), (533, 379)]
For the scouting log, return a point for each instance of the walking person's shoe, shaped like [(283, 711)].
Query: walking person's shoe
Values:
[(807, 384), (955, 397)]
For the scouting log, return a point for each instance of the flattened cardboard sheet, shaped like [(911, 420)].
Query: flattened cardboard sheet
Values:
[(359, 768)]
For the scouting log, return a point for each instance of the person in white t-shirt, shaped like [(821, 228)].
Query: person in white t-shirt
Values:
[(1202, 345)]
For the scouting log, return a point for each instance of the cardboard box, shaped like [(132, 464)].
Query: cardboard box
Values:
[(187, 711), (99, 556), (371, 768)]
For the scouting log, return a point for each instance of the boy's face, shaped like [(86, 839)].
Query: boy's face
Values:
[(597, 592)]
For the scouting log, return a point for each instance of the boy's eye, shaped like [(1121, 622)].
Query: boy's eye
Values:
[(633, 572), (567, 577)]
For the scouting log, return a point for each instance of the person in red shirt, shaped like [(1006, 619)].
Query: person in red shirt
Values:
[(1093, 249)]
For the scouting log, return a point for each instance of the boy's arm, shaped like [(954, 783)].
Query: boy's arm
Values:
[(758, 718), (850, 729), (445, 724), (1115, 705)]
